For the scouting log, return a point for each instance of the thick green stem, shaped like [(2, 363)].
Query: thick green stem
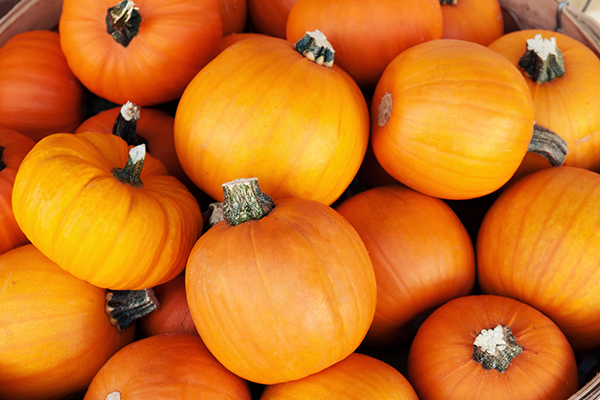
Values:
[(130, 174), (543, 61), (124, 307), (495, 348), (2, 164), (315, 47), (123, 22), (549, 145), (244, 201)]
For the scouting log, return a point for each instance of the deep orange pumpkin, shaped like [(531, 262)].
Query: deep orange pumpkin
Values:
[(39, 94), (170, 41), (283, 293), (538, 243), (54, 332), (452, 357), (452, 119), (269, 16), (367, 34), (233, 15), (478, 21), (421, 253)]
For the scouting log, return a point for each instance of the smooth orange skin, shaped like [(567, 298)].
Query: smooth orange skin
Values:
[(15, 147), (54, 332), (260, 109), (167, 366), (538, 244), (478, 21), (356, 377), (106, 232), (440, 361), (233, 15), (39, 94), (461, 119), (421, 253), (283, 297), (269, 17), (176, 39), (569, 105), (367, 34)]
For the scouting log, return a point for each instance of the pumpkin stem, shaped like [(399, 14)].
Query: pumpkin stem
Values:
[(316, 47), (543, 60), (123, 22), (114, 396), (124, 307), (245, 201), (125, 125), (130, 174), (385, 109), (549, 145), (448, 2), (213, 215), (495, 348), (2, 164)]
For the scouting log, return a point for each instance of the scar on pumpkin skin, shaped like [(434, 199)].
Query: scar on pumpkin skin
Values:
[(385, 109)]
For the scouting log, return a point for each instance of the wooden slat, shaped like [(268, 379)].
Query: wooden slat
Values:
[(28, 15)]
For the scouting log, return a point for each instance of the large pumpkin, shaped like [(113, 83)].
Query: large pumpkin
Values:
[(538, 243), (262, 109), (82, 200), (279, 290)]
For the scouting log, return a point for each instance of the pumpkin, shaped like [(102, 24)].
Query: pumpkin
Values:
[(166, 366), (483, 346), (367, 34), (233, 38), (356, 377), (421, 253), (39, 94), (54, 331), (107, 214), (451, 119), (478, 21), (144, 52), (261, 100), (538, 244), (233, 15), (269, 17), (13, 148), (280, 289), (564, 90)]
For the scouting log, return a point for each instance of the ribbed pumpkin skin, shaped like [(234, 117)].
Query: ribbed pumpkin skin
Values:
[(260, 102), (165, 367), (39, 94), (478, 21), (282, 297), (460, 122), (54, 332), (13, 148), (569, 105), (539, 243), (113, 235), (441, 366), (356, 377)]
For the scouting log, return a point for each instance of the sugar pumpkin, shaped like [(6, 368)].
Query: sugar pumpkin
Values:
[(478, 21)]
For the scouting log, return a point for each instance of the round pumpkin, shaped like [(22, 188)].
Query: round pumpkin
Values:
[(167, 366), (356, 377), (269, 17), (233, 15), (262, 109), (54, 331), (538, 244), (144, 52), (39, 94), (421, 253), (110, 216), (481, 347), (451, 119), (279, 290), (478, 21), (367, 34)]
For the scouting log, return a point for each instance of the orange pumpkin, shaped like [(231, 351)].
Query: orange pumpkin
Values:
[(421, 253), (246, 108), (451, 119), (538, 244), (233, 15), (108, 215), (13, 148), (481, 347), (144, 52), (279, 290), (478, 21), (39, 94), (269, 16), (568, 104), (357, 377), (367, 34), (164, 367), (54, 331)]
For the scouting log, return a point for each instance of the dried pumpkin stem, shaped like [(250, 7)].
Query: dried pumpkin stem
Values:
[(2, 164), (245, 201), (543, 61), (315, 47), (125, 125), (130, 174), (123, 22), (549, 145), (213, 215), (124, 307), (448, 2), (496, 348)]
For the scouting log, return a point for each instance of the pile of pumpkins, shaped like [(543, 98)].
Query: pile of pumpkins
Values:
[(210, 199)]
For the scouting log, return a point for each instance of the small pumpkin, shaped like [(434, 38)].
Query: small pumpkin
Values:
[(269, 17), (478, 21)]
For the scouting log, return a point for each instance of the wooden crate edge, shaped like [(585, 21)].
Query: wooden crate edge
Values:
[(29, 15)]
